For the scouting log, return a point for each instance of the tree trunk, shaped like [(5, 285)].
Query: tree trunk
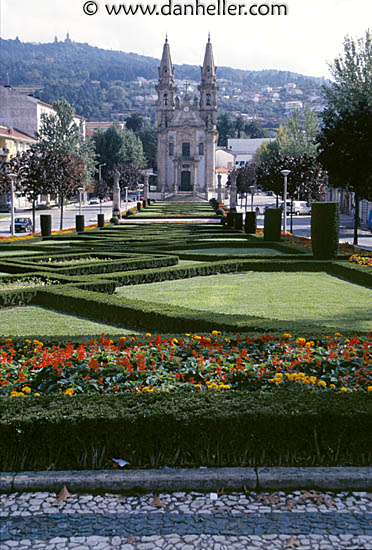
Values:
[(61, 222), (33, 217), (356, 219)]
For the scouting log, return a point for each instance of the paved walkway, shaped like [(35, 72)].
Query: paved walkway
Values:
[(304, 520)]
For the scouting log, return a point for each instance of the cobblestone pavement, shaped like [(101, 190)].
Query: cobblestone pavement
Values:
[(303, 520)]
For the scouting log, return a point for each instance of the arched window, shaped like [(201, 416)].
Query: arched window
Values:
[(201, 149), (208, 99), (171, 149), (165, 99)]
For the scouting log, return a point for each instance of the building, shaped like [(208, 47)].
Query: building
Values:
[(25, 111), (187, 132), (91, 127), (13, 141), (244, 149)]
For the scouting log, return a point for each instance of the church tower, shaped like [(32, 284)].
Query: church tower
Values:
[(187, 133)]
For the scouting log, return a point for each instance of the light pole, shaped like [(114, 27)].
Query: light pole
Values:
[(126, 199), (100, 185), (12, 177), (285, 174), (80, 189)]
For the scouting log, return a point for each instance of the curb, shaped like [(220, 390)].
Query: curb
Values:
[(208, 479)]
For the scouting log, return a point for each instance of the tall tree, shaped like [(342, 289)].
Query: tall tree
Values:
[(135, 122), (60, 134), (345, 139), (225, 127)]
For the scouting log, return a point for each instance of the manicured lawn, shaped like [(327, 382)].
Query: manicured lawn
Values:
[(316, 298), (7, 253), (230, 251), (20, 321)]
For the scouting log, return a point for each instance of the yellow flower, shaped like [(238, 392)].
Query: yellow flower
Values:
[(338, 334), (216, 332), (313, 379), (369, 388), (332, 386), (70, 392), (26, 389), (187, 334), (28, 342), (37, 394), (322, 384), (343, 389), (301, 341), (227, 340), (148, 334), (286, 335), (310, 344)]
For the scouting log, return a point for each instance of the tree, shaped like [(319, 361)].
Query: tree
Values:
[(345, 139), (295, 138), (239, 125), (149, 138), (129, 175), (225, 127), (135, 122), (60, 134), (254, 130)]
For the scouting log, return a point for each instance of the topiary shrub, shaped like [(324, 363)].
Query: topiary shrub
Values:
[(250, 222), (325, 227), (238, 220), (129, 213), (114, 220), (79, 223), (230, 219), (144, 203), (220, 212), (101, 220), (272, 224), (139, 206), (46, 225)]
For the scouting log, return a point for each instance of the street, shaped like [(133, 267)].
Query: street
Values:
[(301, 224)]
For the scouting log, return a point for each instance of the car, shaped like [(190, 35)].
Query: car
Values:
[(94, 200), (299, 207), (22, 225)]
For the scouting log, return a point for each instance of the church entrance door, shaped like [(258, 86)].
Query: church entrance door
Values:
[(185, 181)]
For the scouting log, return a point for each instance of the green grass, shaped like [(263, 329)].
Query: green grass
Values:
[(39, 321), (230, 251), (316, 298), (2, 216)]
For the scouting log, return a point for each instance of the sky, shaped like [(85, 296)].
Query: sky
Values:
[(304, 38)]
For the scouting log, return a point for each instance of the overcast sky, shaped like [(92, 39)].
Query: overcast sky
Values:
[(304, 40)]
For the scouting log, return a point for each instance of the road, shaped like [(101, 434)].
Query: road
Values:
[(301, 224)]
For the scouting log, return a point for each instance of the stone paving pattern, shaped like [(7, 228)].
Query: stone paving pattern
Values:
[(303, 520)]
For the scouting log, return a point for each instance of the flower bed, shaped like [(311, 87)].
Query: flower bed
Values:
[(361, 260), (194, 363)]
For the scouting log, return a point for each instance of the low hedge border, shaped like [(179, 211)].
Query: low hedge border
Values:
[(162, 318), (17, 297), (282, 428)]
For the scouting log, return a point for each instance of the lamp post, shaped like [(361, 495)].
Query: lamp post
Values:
[(285, 174), (100, 185), (80, 189), (126, 198), (12, 177)]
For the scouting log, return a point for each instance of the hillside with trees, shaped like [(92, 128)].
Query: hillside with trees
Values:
[(106, 85)]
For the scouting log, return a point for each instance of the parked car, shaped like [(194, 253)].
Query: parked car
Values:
[(22, 225), (299, 207), (94, 200)]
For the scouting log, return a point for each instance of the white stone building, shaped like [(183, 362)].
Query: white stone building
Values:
[(187, 133), (244, 148)]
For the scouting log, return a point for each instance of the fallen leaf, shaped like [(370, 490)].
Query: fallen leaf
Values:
[(64, 494), (157, 502), (292, 542)]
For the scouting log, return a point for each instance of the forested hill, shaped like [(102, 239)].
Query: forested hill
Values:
[(97, 81)]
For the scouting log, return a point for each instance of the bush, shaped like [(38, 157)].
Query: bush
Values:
[(250, 222), (101, 220), (46, 225), (139, 206), (325, 227), (272, 224), (114, 220), (80, 224), (220, 212), (238, 220), (129, 213), (144, 203)]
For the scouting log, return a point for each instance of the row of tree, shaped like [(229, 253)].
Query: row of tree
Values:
[(335, 150)]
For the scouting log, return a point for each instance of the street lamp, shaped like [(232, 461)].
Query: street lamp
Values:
[(12, 177), (126, 199), (80, 189), (285, 174), (100, 185)]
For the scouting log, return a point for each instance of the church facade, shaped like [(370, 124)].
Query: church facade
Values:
[(187, 133)]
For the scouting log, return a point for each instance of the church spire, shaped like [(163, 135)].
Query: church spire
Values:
[(208, 70), (166, 67)]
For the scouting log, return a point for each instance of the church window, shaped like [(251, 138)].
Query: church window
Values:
[(208, 99), (165, 99), (171, 149), (201, 149), (186, 149)]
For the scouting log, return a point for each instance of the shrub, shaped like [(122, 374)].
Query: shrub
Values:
[(129, 213), (139, 206), (46, 225), (325, 226), (220, 212), (250, 222), (272, 223), (79, 221), (114, 220), (238, 220), (101, 220)]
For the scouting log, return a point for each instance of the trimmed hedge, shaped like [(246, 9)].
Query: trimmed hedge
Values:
[(250, 222), (46, 225), (80, 223), (325, 228), (272, 224), (285, 428)]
